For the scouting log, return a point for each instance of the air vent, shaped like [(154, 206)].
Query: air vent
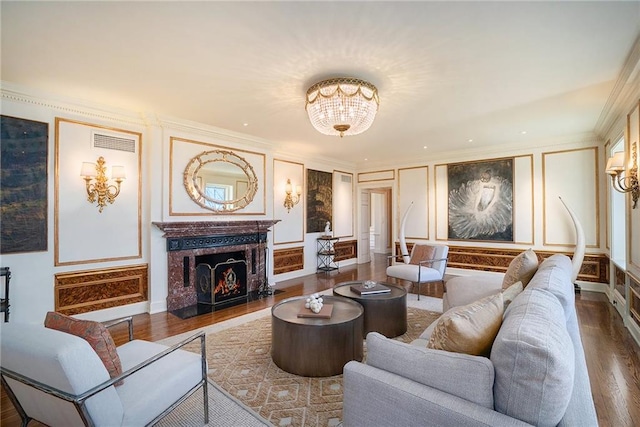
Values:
[(346, 178), (111, 142)]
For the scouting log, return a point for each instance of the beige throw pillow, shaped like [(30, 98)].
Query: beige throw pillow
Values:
[(510, 293), (470, 328), (521, 269)]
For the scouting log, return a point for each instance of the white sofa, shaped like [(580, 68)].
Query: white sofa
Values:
[(536, 373), (58, 379)]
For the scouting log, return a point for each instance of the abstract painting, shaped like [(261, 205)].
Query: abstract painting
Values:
[(319, 200), (481, 200), (23, 185)]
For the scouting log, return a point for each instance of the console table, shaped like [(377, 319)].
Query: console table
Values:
[(327, 253)]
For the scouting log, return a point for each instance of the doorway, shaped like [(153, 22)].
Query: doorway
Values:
[(375, 223)]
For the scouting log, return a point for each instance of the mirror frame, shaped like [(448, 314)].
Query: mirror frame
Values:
[(197, 193)]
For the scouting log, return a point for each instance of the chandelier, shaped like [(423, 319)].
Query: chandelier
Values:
[(342, 106)]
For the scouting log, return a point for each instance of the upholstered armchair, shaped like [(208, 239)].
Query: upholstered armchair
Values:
[(58, 379), (427, 264)]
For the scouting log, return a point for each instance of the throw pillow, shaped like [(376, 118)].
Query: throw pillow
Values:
[(521, 269), (510, 293), (95, 333), (470, 328), (422, 253)]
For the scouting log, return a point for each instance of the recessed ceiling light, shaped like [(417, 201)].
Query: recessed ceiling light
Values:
[(470, 140), (366, 160), (524, 132), (245, 124), (425, 147)]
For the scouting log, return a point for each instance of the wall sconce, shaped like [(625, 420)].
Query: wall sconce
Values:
[(290, 200), (628, 183), (99, 190)]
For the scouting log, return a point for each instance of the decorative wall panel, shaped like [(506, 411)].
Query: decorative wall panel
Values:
[(346, 250), (83, 234), (85, 291), (291, 227), (384, 175), (286, 260), (595, 267)]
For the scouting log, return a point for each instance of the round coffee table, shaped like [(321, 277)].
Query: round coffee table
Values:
[(316, 347), (383, 313)]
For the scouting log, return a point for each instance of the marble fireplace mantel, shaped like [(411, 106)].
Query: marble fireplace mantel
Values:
[(188, 240)]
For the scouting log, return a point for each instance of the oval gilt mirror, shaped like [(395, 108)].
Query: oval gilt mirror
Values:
[(220, 181)]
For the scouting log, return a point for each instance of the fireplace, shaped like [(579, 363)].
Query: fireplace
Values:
[(190, 244), (221, 279)]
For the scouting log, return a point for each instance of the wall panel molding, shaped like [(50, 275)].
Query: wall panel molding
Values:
[(84, 291), (595, 267), (286, 260), (346, 250)]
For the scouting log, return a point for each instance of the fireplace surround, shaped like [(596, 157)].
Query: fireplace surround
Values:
[(187, 240)]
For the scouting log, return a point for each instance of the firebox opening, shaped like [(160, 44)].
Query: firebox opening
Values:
[(221, 279)]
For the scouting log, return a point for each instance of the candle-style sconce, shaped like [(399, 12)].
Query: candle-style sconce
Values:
[(97, 184), (290, 200)]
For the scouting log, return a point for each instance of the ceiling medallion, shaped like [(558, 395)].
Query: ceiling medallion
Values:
[(342, 106)]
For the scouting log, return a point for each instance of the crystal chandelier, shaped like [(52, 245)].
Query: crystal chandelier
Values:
[(342, 106)]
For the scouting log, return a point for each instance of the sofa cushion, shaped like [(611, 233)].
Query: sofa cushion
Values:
[(470, 328), (95, 333), (554, 275), (521, 269), (533, 357), (509, 294), (462, 375), (464, 290)]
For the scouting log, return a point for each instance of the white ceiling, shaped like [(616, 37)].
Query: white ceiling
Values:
[(446, 72)]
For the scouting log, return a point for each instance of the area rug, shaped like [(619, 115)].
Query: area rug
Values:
[(224, 411), (239, 359)]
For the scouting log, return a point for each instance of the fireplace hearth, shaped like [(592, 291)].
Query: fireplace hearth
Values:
[(192, 244)]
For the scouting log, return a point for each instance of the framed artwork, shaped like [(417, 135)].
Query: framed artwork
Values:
[(319, 200), (481, 200), (23, 185)]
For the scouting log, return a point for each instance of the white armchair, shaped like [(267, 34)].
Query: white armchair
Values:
[(428, 264), (58, 379)]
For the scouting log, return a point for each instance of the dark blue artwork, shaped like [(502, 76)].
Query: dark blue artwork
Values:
[(23, 185)]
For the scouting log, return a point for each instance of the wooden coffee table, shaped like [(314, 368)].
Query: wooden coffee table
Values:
[(383, 313), (316, 347)]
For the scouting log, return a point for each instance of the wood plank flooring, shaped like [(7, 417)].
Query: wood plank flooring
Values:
[(613, 357)]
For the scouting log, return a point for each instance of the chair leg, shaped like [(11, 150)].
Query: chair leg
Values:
[(419, 287), (205, 392)]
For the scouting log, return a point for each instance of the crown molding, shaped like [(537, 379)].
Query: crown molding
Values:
[(22, 94), (625, 92), (587, 139), (220, 134)]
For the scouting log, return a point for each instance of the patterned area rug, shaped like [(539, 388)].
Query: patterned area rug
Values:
[(240, 362)]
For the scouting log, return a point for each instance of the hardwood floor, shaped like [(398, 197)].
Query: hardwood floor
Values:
[(613, 357)]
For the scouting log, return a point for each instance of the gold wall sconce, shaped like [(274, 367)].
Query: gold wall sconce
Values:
[(98, 187), (629, 182), (290, 200)]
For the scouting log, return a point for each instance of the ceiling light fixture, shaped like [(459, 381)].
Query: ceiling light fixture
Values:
[(342, 106)]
